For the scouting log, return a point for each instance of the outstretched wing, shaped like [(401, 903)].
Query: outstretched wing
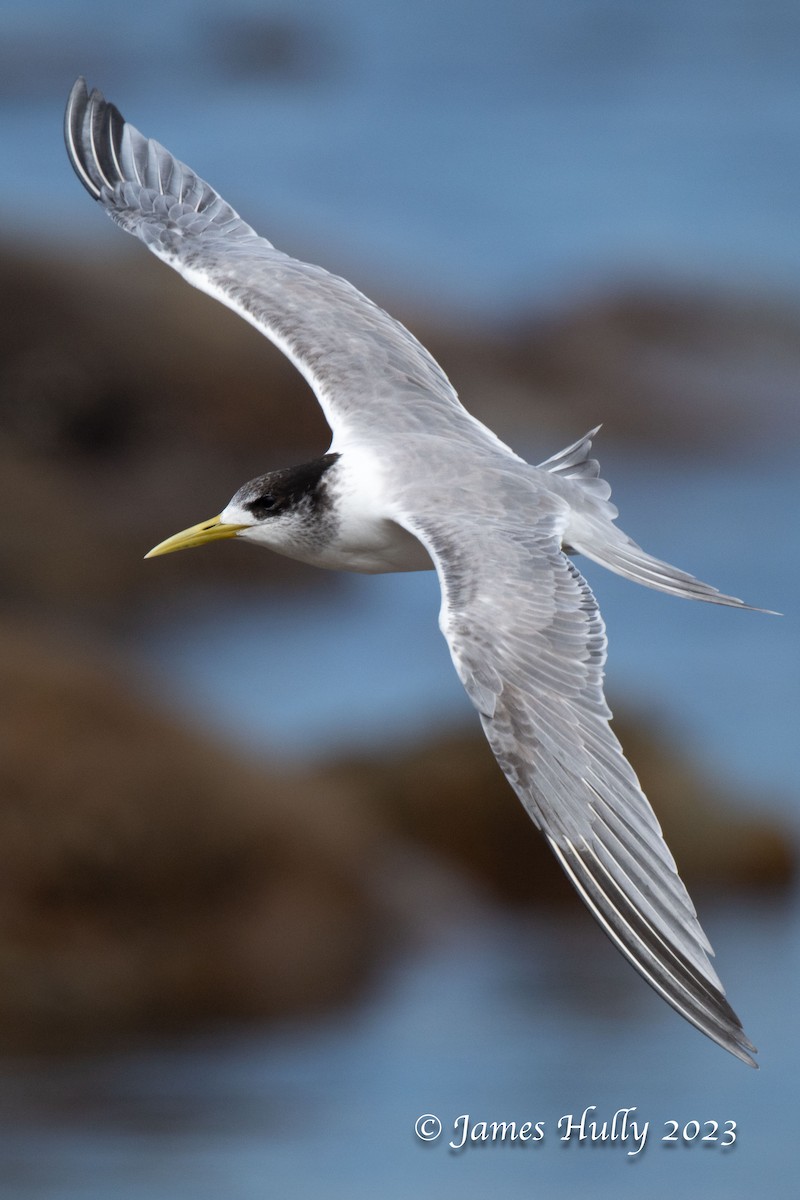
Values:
[(529, 645), (372, 378)]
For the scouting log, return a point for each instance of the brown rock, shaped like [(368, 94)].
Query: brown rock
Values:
[(149, 877)]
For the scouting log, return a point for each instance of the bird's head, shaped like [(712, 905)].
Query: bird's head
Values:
[(284, 510)]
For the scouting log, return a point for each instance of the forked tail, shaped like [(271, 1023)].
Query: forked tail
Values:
[(605, 544), (592, 532)]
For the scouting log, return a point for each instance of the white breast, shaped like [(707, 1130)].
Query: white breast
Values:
[(367, 539)]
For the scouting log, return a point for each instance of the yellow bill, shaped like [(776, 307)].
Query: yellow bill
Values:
[(197, 535)]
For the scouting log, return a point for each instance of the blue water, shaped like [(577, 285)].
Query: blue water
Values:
[(486, 157), (507, 1020)]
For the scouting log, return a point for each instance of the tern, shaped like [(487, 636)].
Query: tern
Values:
[(412, 481)]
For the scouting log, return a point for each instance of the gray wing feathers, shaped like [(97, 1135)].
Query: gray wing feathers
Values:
[(135, 178), (529, 645), (574, 463), (367, 370)]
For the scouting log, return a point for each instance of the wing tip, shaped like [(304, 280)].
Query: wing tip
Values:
[(743, 1049), (74, 116), (92, 133), (107, 152), (693, 996)]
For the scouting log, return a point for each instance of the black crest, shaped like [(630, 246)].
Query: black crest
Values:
[(278, 491)]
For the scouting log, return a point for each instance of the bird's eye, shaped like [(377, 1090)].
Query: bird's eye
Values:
[(263, 504)]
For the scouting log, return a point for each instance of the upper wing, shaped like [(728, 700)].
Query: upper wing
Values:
[(529, 645), (371, 376)]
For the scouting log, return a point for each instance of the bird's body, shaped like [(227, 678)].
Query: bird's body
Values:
[(413, 481)]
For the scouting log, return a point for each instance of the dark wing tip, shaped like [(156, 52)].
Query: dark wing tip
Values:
[(92, 133), (659, 961)]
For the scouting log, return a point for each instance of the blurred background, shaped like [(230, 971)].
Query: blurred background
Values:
[(264, 896)]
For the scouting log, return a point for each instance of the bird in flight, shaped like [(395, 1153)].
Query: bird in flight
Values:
[(412, 481)]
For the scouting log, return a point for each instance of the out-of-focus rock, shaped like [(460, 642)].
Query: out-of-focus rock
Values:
[(150, 878), (450, 795)]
